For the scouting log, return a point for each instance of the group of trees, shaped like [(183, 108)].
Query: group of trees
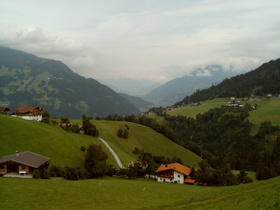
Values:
[(223, 134), (221, 175), (123, 133)]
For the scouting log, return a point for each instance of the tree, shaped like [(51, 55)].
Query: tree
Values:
[(46, 117), (89, 128), (95, 161), (120, 132), (125, 133)]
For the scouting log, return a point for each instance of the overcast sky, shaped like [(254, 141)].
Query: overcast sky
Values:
[(151, 39)]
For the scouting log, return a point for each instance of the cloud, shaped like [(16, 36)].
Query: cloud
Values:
[(157, 40)]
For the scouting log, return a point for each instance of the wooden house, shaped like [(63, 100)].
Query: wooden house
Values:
[(23, 163), (29, 113), (4, 110), (174, 173)]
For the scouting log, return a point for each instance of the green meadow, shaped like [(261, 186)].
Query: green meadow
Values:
[(120, 193), (64, 147), (192, 111)]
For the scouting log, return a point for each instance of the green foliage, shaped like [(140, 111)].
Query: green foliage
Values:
[(123, 133), (36, 174), (41, 173), (95, 161), (222, 175), (89, 128), (120, 133)]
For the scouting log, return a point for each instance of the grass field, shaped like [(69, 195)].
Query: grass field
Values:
[(192, 111), (141, 137), (64, 147), (117, 193)]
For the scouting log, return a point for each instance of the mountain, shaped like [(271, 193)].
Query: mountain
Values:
[(135, 87), (176, 89), (26, 79), (261, 81), (140, 103)]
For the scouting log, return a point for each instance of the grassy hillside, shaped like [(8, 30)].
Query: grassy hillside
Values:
[(64, 147), (145, 138), (192, 111), (268, 110), (141, 137), (135, 194)]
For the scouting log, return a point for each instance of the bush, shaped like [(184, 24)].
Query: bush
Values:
[(36, 174)]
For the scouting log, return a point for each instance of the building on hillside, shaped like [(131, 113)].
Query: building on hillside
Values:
[(4, 110), (174, 173), (23, 163), (29, 113)]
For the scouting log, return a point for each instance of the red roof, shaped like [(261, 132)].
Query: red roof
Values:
[(25, 109), (176, 167), (190, 181), (3, 109)]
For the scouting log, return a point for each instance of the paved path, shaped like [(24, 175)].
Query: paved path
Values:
[(113, 153)]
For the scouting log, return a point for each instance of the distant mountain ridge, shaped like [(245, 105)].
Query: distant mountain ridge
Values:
[(26, 79), (176, 89), (261, 81), (140, 103)]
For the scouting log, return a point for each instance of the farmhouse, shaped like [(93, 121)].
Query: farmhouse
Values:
[(174, 173), (4, 110), (22, 163), (29, 113)]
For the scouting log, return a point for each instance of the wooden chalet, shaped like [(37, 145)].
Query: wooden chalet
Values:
[(4, 110), (23, 163), (174, 173), (29, 112)]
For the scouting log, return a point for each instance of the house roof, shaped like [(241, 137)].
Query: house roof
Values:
[(25, 109), (2, 109), (190, 181), (176, 167), (26, 158)]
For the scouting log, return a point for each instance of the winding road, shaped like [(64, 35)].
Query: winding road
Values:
[(113, 153)]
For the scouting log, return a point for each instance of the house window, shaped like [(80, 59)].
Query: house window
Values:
[(178, 175)]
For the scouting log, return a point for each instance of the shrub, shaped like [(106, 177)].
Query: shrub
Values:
[(36, 174)]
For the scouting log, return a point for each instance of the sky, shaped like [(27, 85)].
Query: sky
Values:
[(156, 40)]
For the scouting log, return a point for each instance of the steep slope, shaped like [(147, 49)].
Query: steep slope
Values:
[(261, 81), (140, 103), (176, 89), (28, 80)]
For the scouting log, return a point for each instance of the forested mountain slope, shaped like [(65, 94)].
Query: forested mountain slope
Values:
[(28, 80), (261, 81)]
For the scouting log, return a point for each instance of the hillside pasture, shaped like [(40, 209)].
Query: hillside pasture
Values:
[(192, 111), (142, 137), (51, 141), (64, 147), (117, 193)]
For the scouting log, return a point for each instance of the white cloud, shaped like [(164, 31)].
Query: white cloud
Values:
[(157, 40)]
